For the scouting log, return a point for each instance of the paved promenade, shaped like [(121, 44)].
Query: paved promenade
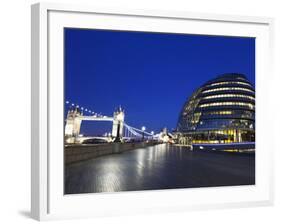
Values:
[(159, 167)]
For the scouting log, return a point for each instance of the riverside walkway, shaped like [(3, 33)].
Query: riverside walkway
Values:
[(159, 167)]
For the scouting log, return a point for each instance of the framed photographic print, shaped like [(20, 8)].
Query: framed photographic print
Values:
[(138, 111)]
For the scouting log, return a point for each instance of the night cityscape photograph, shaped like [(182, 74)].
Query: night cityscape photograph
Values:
[(157, 111)]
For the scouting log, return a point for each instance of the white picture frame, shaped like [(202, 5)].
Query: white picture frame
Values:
[(48, 201)]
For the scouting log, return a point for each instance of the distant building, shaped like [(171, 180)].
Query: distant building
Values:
[(220, 111)]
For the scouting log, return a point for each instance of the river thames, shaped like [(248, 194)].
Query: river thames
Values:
[(159, 167)]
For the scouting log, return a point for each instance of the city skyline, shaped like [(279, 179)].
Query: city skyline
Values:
[(149, 74)]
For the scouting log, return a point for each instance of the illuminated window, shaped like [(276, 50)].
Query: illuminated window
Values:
[(230, 96), (224, 83), (251, 106), (195, 118), (219, 112), (227, 88)]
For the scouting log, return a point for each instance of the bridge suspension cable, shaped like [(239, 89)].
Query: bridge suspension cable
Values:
[(136, 132), (83, 109)]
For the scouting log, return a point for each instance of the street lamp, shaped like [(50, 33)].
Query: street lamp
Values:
[(143, 129)]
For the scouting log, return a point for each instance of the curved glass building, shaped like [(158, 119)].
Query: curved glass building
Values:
[(220, 111)]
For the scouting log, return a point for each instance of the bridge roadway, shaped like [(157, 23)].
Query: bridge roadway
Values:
[(159, 167)]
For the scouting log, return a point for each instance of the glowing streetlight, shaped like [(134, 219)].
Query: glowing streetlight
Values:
[(143, 128)]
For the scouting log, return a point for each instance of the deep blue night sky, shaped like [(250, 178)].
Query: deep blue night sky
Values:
[(149, 74)]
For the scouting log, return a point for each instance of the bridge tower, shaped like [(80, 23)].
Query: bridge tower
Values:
[(73, 124), (118, 124)]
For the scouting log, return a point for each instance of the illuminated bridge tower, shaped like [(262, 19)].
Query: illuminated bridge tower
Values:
[(118, 124), (73, 124), (75, 118)]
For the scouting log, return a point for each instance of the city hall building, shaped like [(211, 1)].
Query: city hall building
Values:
[(220, 111)]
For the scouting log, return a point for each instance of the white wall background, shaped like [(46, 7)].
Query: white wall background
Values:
[(15, 110)]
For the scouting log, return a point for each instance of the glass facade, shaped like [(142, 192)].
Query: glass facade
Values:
[(220, 111)]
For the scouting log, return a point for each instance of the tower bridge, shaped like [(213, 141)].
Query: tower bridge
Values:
[(120, 132)]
